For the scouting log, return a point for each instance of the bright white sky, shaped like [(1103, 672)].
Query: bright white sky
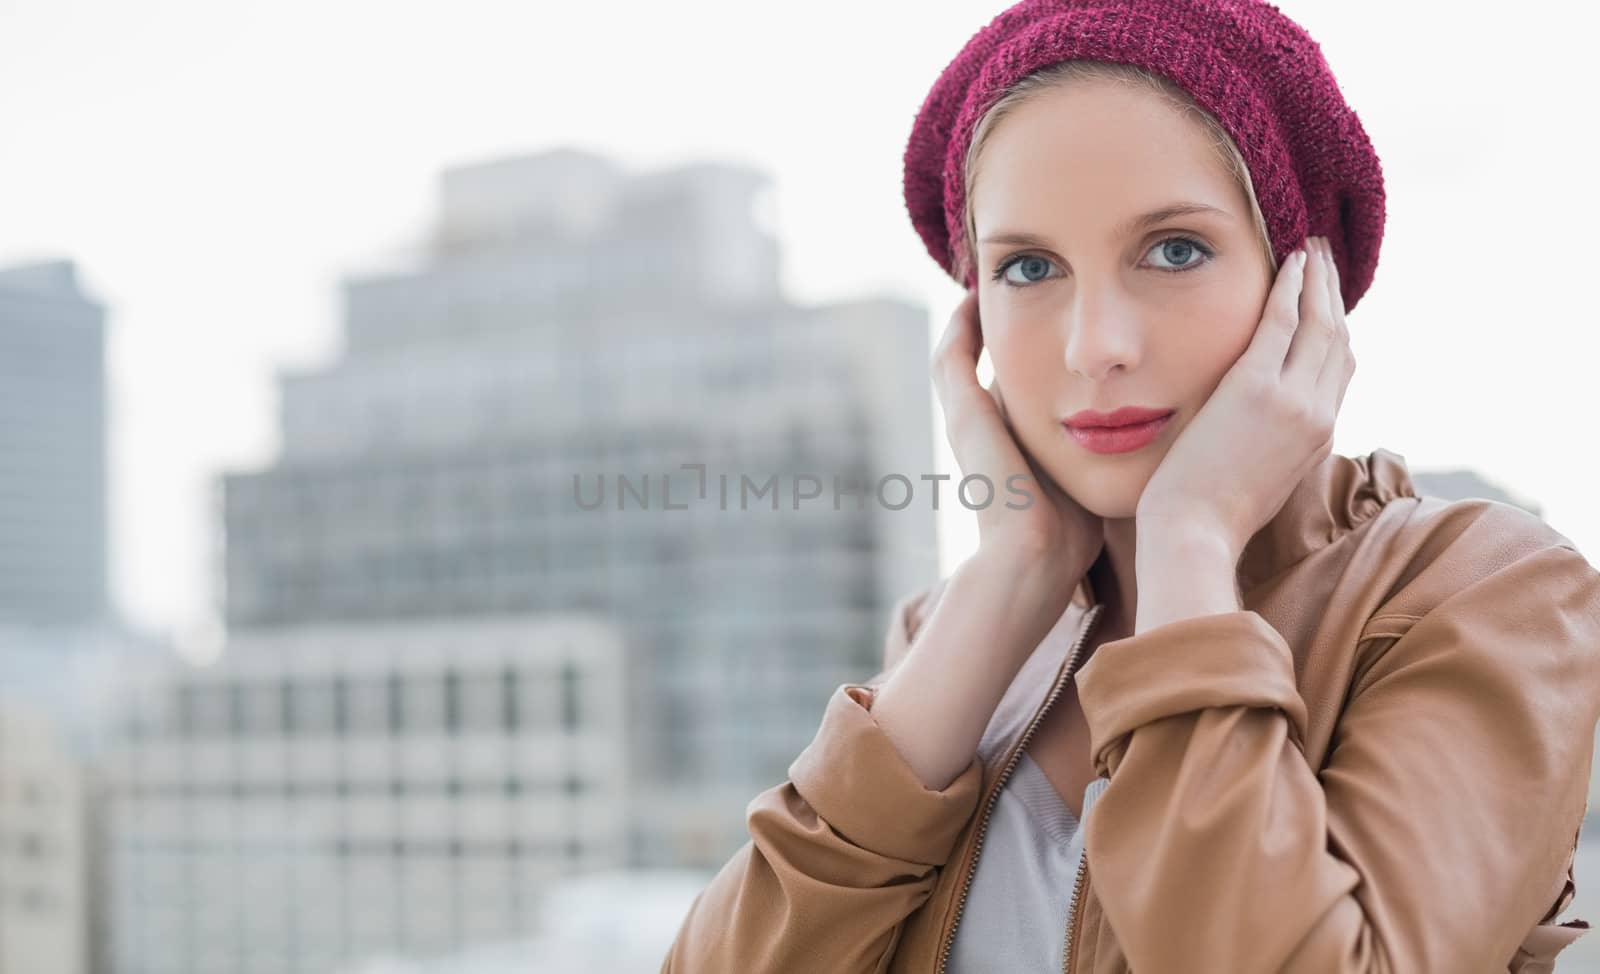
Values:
[(216, 167)]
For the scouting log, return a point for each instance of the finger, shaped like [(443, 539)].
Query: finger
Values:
[(1334, 380), (958, 339), (1335, 296), (999, 404), (1005, 418), (1279, 317), (1344, 327), (957, 352), (1313, 338), (967, 404), (1035, 471)]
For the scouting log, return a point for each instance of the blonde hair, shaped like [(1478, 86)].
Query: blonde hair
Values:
[(1065, 72)]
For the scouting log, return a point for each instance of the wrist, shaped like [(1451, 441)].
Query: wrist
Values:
[(1169, 540), (1034, 584), (1182, 575), (1030, 568)]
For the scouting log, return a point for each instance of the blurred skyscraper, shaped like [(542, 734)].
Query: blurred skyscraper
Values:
[(60, 643), (52, 448), (330, 793), (57, 684), (575, 322), (404, 744), (47, 875)]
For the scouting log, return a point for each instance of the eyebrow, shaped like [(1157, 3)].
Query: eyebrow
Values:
[(1022, 238)]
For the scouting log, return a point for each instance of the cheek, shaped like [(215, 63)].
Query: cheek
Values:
[(1214, 331), (1027, 368)]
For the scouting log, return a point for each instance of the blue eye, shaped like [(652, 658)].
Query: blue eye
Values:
[(1034, 269), (1179, 250)]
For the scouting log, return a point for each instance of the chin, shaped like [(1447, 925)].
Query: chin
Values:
[(1107, 500), (1107, 494), (1109, 487), (1113, 509)]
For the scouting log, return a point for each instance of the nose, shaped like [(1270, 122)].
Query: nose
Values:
[(1102, 332)]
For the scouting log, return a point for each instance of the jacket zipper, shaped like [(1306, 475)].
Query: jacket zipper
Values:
[(1005, 772), (1077, 907)]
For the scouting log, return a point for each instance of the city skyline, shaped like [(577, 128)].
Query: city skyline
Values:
[(210, 301), (446, 678)]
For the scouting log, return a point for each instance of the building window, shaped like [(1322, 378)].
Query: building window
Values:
[(508, 692), (452, 701), (396, 707), (424, 702), (482, 699), (341, 704), (264, 708), (569, 696), (286, 709), (369, 704), (186, 710)]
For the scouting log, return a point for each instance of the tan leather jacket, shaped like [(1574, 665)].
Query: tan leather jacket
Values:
[(1380, 764)]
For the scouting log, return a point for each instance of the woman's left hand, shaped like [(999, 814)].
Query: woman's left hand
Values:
[(1270, 420)]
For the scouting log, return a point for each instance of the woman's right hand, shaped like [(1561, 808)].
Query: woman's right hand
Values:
[(1053, 532)]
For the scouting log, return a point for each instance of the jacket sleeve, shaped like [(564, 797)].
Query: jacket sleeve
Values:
[(1436, 832), (839, 854)]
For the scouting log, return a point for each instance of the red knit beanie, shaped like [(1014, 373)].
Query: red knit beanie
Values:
[(1263, 77)]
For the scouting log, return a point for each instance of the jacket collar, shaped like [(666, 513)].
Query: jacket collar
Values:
[(1333, 499)]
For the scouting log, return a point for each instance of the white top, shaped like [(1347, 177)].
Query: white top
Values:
[(1020, 900)]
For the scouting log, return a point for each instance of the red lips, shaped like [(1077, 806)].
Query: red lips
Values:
[(1126, 416)]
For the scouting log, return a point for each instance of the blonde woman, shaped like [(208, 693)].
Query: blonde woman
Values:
[(1218, 699)]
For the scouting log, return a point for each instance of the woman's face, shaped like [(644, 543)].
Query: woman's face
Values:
[(1098, 310)]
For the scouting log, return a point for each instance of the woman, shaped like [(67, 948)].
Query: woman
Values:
[(1309, 720)]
